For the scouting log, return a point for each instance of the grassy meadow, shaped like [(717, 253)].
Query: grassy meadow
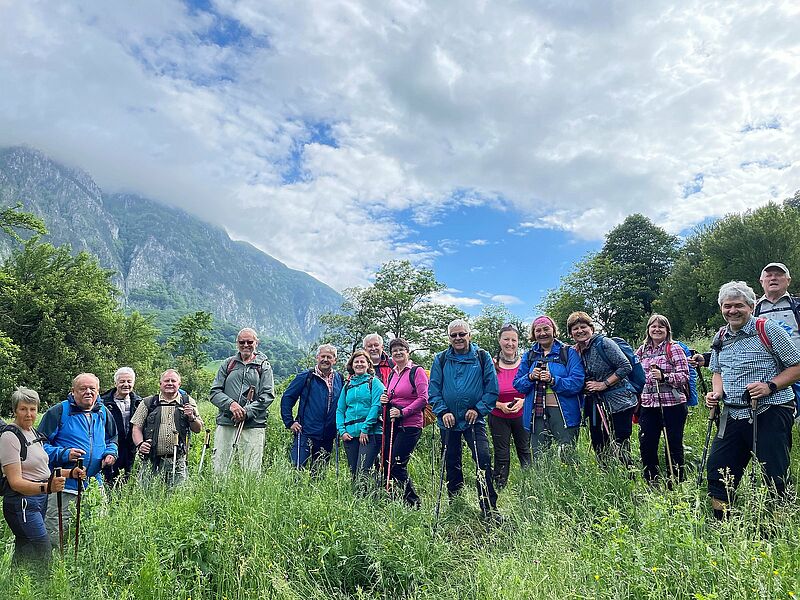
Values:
[(570, 532)]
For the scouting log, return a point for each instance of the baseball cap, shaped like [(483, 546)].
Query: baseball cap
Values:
[(776, 265)]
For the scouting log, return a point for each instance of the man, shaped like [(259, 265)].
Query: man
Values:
[(463, 390), (247, 369), (776, 303), (383, 365), (161, 427), (78, 427), (121, 401), (750, 378), (318, 391)]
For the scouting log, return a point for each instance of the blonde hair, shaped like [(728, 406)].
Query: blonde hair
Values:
[(661, 320)]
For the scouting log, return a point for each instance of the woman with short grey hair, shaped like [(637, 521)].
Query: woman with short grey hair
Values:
[(27, 479)]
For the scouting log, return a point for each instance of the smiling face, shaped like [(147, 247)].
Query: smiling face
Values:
[(360, 364), (775, 282), (85, 389), (169, 384), (544, 335), (657, 331), (459, 339), (247, 345), (400, 356), (581, 332), (325, 361), (125, 384), (374, 346), (509, 342), (25, 414), (736, 312)]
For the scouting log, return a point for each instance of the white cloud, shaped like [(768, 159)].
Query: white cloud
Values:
[(506, 299), (448, 298), (573, 114), (480, 242)]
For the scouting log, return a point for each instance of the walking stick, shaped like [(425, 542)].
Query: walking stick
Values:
[(78, 465), (337, 455), (753, 407), (206, 445), (480, 477), (383, 446), (248, 400), (389, 466), (664, 426), (441, 479), (174, 457), (433, 454), (59, 501), (712, 413)]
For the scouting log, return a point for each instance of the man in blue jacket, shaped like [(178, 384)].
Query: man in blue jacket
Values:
[(463, 390), (78, 427), (318, 390)]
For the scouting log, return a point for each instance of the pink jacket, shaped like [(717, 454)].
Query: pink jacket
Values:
[(401, 395)]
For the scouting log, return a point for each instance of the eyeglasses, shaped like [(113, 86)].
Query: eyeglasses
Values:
[(458, 334), (508, 327), (246, 342)]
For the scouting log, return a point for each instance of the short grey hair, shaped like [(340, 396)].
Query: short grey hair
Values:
[(458, 323), (329, 347), (23, 395), (81, 375), (123, 371), (736, 289), (170, 371), (249, 330), (369, 336)]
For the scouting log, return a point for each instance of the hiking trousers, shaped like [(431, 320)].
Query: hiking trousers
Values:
[(403, 443), (25, 517), (361, 457), (650, 427), (249, 449), (306, 447), (68, 500), (503, 430), (553, 429), (730, 455), (477, 443), (621, 427)]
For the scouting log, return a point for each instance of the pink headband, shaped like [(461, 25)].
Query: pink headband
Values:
[(544, 320)]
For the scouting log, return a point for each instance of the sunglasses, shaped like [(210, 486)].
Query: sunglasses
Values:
[(508, 327), (246, 342), (458, 334)]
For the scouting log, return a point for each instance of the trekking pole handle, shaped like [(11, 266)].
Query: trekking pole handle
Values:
[(712, 413)]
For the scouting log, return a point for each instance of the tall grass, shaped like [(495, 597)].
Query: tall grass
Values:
[(570, 532)]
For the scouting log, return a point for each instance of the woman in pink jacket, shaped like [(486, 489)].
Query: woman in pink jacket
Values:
[(405, 399)]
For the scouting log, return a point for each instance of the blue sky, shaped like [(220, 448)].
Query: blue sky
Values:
[(495, 142)]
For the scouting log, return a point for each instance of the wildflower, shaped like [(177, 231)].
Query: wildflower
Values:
[(597, 577), (775, 572), (655, 569)]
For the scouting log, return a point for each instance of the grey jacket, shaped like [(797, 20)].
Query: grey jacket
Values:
[(620, 396), (228, 387)]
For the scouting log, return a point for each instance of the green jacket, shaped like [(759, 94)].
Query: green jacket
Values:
[(358, 408), (233, 380)]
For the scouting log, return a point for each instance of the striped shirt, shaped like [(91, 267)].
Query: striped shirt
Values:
[(780, 310), (672, 390), (743, 360)]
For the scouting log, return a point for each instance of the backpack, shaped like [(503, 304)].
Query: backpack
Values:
[(38, 438), (794, 306), (232, 365), (636, 377), (411, 379), (563, 355), (483, 356), (347, 385), (152, 423)]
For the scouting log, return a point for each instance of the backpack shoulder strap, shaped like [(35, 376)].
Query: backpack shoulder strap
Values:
[(230, 366), (762, 333), (601, 349), (23, 443), (716, 343), (483, 356), (563, 354), (412, 379)]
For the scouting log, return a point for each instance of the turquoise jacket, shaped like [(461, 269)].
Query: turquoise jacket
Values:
[(359, 406)]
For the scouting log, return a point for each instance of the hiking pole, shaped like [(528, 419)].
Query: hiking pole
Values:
[(240, 427), (206, 445), (337, 455), (59, 501), (711, 414), (174, 457), (78, 465), (664, 425), (753, 402), (383, 441), (391, 443), (441, 479), (480, 477), (433, 454)]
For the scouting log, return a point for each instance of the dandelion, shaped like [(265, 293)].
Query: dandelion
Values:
[(597, 577), (655, 569), (775, 572)]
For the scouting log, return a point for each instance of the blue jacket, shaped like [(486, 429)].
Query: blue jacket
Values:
[(65, 426), (358, 410), (317, 410), (567, 382), (463, 382)]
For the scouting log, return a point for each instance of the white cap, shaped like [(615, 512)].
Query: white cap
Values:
[(776, 265)]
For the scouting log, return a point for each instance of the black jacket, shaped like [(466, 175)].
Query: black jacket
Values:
[(127, 452)]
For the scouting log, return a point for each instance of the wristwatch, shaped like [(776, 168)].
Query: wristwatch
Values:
[(772, 387)]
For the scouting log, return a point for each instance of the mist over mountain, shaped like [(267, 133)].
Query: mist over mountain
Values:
[(164, 259)]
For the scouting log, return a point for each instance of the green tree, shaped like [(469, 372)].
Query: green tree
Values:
[(12, 217), (486, 326), (189, 334), (357, 317)]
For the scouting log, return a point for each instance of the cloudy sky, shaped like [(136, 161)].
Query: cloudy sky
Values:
[(494, 141)]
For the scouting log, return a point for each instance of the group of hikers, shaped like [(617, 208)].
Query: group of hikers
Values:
[(380, 407)]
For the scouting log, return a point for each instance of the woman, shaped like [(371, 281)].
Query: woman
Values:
[(405, 398), (505, 420), (28, 480), (357, 414), (551, 377), (610, 399), (663, 399)]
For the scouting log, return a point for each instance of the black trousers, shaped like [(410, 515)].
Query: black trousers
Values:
[(621, 427), (650, 427), (403, 442), (503, 430), (478, 444), (730, 455)]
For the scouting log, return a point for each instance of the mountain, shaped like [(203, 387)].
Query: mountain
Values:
[(164, 259)]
